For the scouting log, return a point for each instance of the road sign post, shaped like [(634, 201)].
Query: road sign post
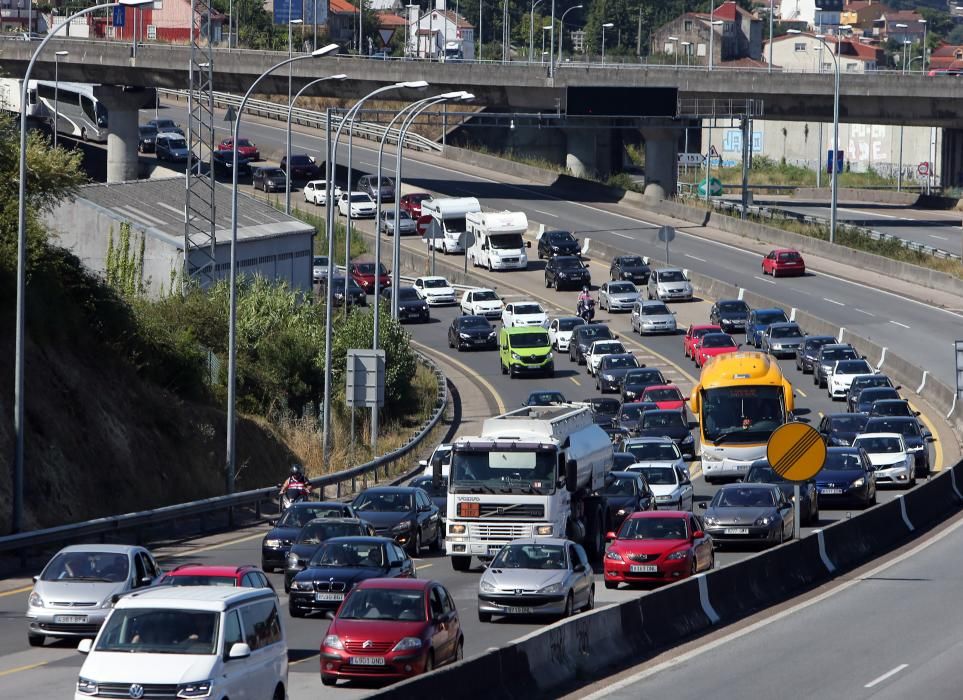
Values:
[(466, 241), (666, 233), (365, 383), (796, 452)]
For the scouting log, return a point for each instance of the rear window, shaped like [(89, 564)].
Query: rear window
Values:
[(788, 257)]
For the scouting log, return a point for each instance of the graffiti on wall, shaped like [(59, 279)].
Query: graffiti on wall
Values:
[(732, 141), (867, 144)]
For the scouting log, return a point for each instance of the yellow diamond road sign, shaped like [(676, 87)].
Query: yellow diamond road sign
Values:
[(796, 451)]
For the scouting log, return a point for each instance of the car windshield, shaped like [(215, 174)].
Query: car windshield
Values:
[(162, 124), (619, 362), (645, 376), (385, 502), (436, 283), (369, 269), (350, 554), (299, 516), (198, 580), (546, 398), (634, 411), (408, 294), (385, 605), (160, 631), (731, 307), (427, 483), (762, 474), (87, 566), (718, 340), (787, 257), (607, 406), (568, 263), (879, 445), (147, 131), (607, 348), (843, 461), (320, 260), (623, 288), (744, 498), (244, 143), (671, 276), (527, 309), (530, 556), (385, 182), (907, 428), (872, 381), (837, 353), (654, 310), (632, 262), (506, 241), (530, 340), (658, 476), (556, 237), (360, 198), (854, 367), (300, 160), (567, 324), (746, 414), (663, 395), (663, 419), (176, 143), (316, 533), (273, 172), (877, 394), (620, 487), (848, 423), (891, 408), (765, 318), (473, 322), (786, 332), (816, 343), (653, 529), (485, 296)]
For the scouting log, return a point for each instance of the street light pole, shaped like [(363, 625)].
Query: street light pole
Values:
[(923, 64), (531, 31), (57, 56), (287, 150), (607, 25), (771, 14), (712, 35), (561, 36)]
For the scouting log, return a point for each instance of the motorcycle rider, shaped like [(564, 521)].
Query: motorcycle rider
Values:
[(583, 298), (296, 481)]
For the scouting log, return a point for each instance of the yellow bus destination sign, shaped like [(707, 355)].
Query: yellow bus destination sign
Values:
[(796, 452)]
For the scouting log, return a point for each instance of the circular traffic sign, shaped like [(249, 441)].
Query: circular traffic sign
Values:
[(923, 168), (796, 451)]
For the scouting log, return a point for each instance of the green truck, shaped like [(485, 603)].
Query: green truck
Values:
[(525, 350)]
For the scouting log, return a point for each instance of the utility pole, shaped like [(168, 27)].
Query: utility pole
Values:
[(638, 36)]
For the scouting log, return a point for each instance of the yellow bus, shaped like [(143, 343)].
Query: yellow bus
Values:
[(741, 398)]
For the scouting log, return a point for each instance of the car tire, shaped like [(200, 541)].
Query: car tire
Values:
[(611, 585), (328, 680), (590, 603), (502, 365), (814, 516), (484, 616), (872, 501), (694, 568), (295, 612), (459, 652), (461, 563), (415, 544), (547, 282), (450, 344), (36, 640), (569, 607), (709, 480), (435, 545), (712, 560), (558, 287)]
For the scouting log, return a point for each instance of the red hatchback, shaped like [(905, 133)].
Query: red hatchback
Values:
[(246, 576), (783, 261), (364, 274), (411, 203), (713, 345), (692, 337), (657, 546), (245, 148), (392, 629), (665, 396)]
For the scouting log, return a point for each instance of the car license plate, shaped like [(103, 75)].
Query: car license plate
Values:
[(521, 611), (830, 492), (367, 660), (736, 531), (328, 597), (70, 619), (643, 568)]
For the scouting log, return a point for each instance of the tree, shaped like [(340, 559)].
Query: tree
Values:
[(603, 12)]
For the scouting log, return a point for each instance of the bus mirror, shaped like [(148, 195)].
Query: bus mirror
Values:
[(571, 476)]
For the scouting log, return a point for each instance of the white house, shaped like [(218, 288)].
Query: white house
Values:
[(429, 35), (818, 14), (806, 53)]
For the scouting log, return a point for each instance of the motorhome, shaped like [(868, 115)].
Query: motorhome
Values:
[(498, 240), (448, 224)]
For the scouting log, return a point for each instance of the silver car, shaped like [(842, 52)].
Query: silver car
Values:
[(406, 225), (74, 593), (319, 268), (618, 296), (536, 576), (669, 284), (652, 317), (749, 514), (783, 339)]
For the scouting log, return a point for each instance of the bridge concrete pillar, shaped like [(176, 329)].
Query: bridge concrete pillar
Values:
[(123, 105), (661, 161), (951, 158), (590, 151)]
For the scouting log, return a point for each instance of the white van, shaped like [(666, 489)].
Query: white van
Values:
[(188, 642), (447, 221), (499, 243)]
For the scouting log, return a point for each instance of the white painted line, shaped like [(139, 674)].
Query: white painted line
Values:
[(901, 325), (695, 258), (867, 213), (864, 312), (827, 562), (888, 674), (833, 301), (882, 357), (939, 238), (621, 235), (546, 213), (704, 599), (763, 279), (902, 510)]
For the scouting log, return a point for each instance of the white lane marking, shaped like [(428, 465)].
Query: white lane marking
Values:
[(763, 279), (621, 235), (695, 258), (901, 325), (939, 238), (546, 213), (833, 301), (863, 312), (888, 674), (867, 213)]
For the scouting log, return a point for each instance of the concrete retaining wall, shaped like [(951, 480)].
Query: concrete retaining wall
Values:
[(503, 166), (907, 199)]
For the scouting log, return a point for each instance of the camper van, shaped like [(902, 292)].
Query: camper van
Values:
[(447, 225), (499, 243)]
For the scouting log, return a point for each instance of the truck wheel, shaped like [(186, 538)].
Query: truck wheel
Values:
[(594, 536), (461, 563)]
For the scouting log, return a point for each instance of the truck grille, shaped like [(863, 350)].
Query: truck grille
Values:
[(522, 510), (499, 533), (150, 690)]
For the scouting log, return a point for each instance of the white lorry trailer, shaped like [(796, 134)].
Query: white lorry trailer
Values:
[(447, 225), (534, 472), (498, 240)]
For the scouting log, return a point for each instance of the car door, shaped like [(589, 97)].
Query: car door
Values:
[(235, 673), (685, 488), (581, 580), (702, 546), (440, 635), (406, 569)]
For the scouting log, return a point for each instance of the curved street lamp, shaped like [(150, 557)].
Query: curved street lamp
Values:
[(607, 25), (561, 35)]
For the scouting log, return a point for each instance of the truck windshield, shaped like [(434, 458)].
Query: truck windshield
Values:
[(455, 225), (503, 471), (506, 241)]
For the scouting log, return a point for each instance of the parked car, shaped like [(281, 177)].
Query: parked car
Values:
[(284, 531), (406, 225), (245, 147), (316, 192), (243, 576), (566, 272), (403, 513), (599, 349), (669, 423), (631, 268), (867, 381), (759, 320), (840, 429), (806, 356), (783, 262), (524, 313), (827, 357), (552, 243), (669, 284), (361, 204), (170, 147), (369, 185), (637, 380), (145, 138), (168, 125), (411, 203), (363, 272), (847, 475), (560, 331), (749, 514), (730, 314), (545, 398), (536, 576), (482, 302), (392, 629), (303, 166), (356, 295), (630, 415), (618, 296), (693, 335), (468, 332), (583, 336), (713, 345), (658, 547), (761, 472), (652, 317), (270, 180), (625, 493), (612, 369), (894, 464), (842, 374), (411, 307), (313, 535), (436, 291), (782, 339), (915, 438)]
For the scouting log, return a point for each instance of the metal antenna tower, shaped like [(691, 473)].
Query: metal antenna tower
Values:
[(199, 203)]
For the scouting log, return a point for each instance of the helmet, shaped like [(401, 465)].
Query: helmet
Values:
[(585, 289), (296, 470)]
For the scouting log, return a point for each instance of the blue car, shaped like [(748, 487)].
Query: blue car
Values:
[(760, 320), (848, 476)]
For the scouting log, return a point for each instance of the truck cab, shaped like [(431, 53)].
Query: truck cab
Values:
[(525, 350), (498, 242)]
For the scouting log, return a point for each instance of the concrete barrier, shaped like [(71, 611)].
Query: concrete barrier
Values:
[(906, 199)]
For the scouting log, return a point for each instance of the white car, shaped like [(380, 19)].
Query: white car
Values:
[(843, 373), (598, 349), (316, 192), (442, 455), (668, 478), (482, 302), (524, 313), (618, 296), (319, 268), (435, 290), (893, 462), (560, 331), (362, 206)]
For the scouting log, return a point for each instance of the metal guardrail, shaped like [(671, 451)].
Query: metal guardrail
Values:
[(307, 117), (138, 523)]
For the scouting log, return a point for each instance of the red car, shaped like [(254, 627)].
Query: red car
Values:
[(411, 203), (391, 629), (245, 148), (657, 546), (665, 396), (245, 576), (364, 274), (714, 344), (783, 261), (692, 337)]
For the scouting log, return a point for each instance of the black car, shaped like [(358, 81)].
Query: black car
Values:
[(566, 272), (625, 493), (630, 415), (915, 438), (369, 185), (403, 513), (612, 370), (867, 381), (339, 565), (545, 398), (223, 161), (840, 429), (270, 180), (356, 295), (605, 411), (303, 167), (145, 139), (167, 125), (827, 358), (806, 357), (438, 495), (622, 460), (892, 407), (616, 433), (631, 268), (411, 307), (847, 475), (761, 472), (669, 423), (730, 315), (467, 332), (315, 534), (867, 397), (554, 243), (277, 542), (584, 336), (637, 380)]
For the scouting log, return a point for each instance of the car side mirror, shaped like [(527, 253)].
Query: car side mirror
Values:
[(703, 505), (239, 650), (578, 568), (609, 536), (35, 578), (898, 387), (145, 580), (422, 462), (85, 646), (916, 413), (528, 244), (394, 563), (424, 509), (698, 534)]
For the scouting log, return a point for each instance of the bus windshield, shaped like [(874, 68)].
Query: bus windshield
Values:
[(742, 413), (506, 241), (522, 471)]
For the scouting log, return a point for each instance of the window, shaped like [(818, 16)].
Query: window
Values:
[(139, 566), (158, 4), (668, 47), (444, 599), (799, 46), (88, 107), (437, 607), (687, 25), (248, 581), (262, 626), (232, 632), (149, 566), (152, 29)]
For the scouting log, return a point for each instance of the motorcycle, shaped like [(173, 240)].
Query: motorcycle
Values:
[(294, 494), (586, 310)]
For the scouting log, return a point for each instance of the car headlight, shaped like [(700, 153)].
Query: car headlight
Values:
[(687, 438), (681, 554), (708, 521), (543, 530), (858, 483), (339, 295), (464, 336), (553, 588), (333, 641), (608, 378), (842, 442), (613, 556), (516, 356), (302, 585), (549, 357), (408, 643), (272, 544), (85, 686), (456, 529), (621, 511), (107, 602), (630, 393), (664, 499), (403, 526), (764, 520), (492, 334), (35, 601), (487, 587), (199, 689)]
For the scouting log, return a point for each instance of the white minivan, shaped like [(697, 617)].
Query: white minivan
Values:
[(188, 642)]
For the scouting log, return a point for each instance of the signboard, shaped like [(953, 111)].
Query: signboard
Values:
[(839, 161), (365, 379), (796, 452), (230, 115), (691, 159), (713, 153), (923, 168), (120, 16), (666, 234), (386, 35)]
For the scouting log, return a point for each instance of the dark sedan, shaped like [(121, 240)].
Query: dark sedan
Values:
[(892, 407), (630, 415), (749, 513), (315, 534), (270, 180), (915, 438), (863, 403), (584, 336), (761, 472), (403, 513), (438, 495), (567, 272), (552, 243), (545, 398), (356, 295), (669, 423), (224, 161), (806, 357), (867, 381), (277, 542), (468, 332), (847, 475), (339, 565), (631, 268), (637, 381), (730, 315), (411, 307), (145, 139), (840, 429), (303, 167), (625, 493), (612, 370), (605, 411)]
